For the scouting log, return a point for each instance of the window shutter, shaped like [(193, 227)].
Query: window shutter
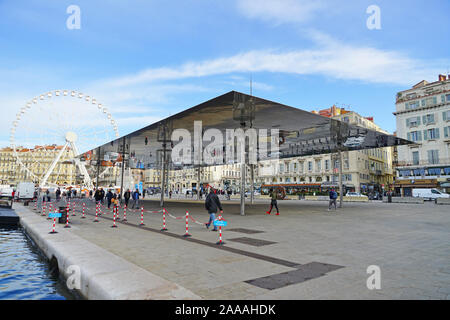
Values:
[(430, 156), (419, 135), (432, 118), (424, 119), (418, 120), (446, 132), (436, 133), (408, 136), (444, 115), (407, 122), (425, 135)]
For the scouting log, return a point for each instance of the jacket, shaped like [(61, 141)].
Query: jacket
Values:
[(212, 203)]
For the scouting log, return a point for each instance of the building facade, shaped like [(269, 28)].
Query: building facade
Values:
[(423, 116), (363, 171), (37, 160)]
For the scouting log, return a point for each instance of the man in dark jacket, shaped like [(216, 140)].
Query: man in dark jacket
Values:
[(109, 197), (97, 195), (333, 196), (102, 195), (127, 196), (135, 199), (212, 203)]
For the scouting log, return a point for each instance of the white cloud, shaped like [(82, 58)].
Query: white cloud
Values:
[(329, 58), (280, 11)]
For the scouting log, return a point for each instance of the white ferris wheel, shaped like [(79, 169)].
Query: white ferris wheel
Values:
[(53, 128)]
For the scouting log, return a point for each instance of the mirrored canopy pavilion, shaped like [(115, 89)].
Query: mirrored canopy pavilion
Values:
[(282, 132)]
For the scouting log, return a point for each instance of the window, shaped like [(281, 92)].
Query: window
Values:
[(446, 131), (413, 122), (414, 136), (327, 164), (431, 134), (434, 171), (433, 156), (318, 165), (415, 157), (412, 105), (404, 173), (428, 119), (446, 115), (310, 165)]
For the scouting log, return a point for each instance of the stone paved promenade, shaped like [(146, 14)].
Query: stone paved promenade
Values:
[(305, 253)]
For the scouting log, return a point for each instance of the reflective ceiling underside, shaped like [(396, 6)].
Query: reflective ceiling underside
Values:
[(301, 133)]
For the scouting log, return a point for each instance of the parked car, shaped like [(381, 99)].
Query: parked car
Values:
[(354, 141), (375, 196), (429, 194), (353, 194)]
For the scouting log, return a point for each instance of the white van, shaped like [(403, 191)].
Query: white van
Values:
[(429, 194), (25, 190)]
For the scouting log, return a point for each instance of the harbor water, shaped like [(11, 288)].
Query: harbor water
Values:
[(25, 273)]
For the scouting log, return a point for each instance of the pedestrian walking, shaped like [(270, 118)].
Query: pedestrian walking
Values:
[(58, 194), (109, 197), (212, 204), (333, 196), (102, 195), (127, 196), (273, 202), (135, 199)]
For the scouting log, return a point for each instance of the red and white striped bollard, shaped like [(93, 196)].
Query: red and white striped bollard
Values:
[(96, 213), (142, 217), (50, 209), (124, 213), (84, 206), (67, 219), (54, 226), (164, 220), (115, 209), (220, 242), (187, 225)]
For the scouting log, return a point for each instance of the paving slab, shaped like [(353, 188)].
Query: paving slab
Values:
[(409, 242)]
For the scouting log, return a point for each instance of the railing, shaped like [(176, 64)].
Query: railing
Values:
[(442, 162)]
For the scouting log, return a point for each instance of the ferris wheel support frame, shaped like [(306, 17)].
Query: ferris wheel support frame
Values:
[(53, 165)]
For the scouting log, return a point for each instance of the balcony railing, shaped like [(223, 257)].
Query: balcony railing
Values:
[(441, 162)]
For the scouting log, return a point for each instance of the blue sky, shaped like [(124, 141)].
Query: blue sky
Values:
[(146, 60)]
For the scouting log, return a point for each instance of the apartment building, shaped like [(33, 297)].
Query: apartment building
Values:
[(423, 116), (37, 160)]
